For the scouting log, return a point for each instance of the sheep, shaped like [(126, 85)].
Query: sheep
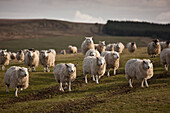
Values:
[(165, 58), (110, 47), (32, 59), (13, 56), (72, 49), (154, 48), (52, 51), (164, 45), (140, 69), (92, 52), (20, 55), (16, 77), (112, 61), (95, 66), (87, 44), (63, 52), (47, 59), (119, 47), (65, 73), (100, 47), (131, 47), (4, 58)]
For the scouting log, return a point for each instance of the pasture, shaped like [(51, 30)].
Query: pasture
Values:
[(112, 94)]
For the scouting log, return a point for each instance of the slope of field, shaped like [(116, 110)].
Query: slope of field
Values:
[(36, 28), (111, 95), (62, 42)]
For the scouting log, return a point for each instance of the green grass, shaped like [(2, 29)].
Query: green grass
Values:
[(62, 42), (111, 95)]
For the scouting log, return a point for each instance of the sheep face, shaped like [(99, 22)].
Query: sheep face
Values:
[(115, 55), (89, 39), (147, 64), (23, 72), (70, 67), (100, 61), (102, 43), (92, 54), (156, 41), (30, 53), (3, 53)]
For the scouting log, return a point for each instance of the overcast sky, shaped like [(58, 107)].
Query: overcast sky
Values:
[(88, 10)]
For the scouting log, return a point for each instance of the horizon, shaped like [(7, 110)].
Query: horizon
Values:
[(96, 11)]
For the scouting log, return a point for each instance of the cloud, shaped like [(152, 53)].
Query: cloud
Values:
[(81, 17), (165, 16)]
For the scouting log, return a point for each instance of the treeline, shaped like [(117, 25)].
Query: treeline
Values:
[(129, 28)]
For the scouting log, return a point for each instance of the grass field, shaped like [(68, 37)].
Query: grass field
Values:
[(62, 42), (112, 94)]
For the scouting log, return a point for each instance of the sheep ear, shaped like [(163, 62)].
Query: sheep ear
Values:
[(76, 65), (67, 65)]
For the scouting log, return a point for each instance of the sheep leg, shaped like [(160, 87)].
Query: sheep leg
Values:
[(97, 79), (142, 83), (146, 83), (48, 70), (130, 83), (61, 87), (45, 69), (69, 86), (93, 78), (166, 67), (86, 79), (3, 67), (33, 69), (108, 73), (65, 85), (7, 88), (114, 72), (29, 69), (16, 92)]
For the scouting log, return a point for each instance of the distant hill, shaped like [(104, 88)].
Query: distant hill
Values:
[(129, 28), (35, 28)]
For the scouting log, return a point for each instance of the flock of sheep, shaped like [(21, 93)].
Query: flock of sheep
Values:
[(99, 59)]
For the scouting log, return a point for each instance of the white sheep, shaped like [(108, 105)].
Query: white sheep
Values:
[(87, 44), (52, 51), (119, 47), (72, 49), (63, 52), (131, 46), (4, 58), (110, 47), (65, 73), (100, 47), (140, 69), (92, 52), (165, 58), (47, 59), (164, 45), (154, 48), (13, 56), (17, 77), (112, 61), (94, 66), (20, 55), (32, 59)]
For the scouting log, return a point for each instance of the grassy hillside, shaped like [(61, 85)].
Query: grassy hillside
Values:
[(62, 42), (111, 95), (36, 28)]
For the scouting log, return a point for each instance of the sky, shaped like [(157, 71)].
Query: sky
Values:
[(88, 11)]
